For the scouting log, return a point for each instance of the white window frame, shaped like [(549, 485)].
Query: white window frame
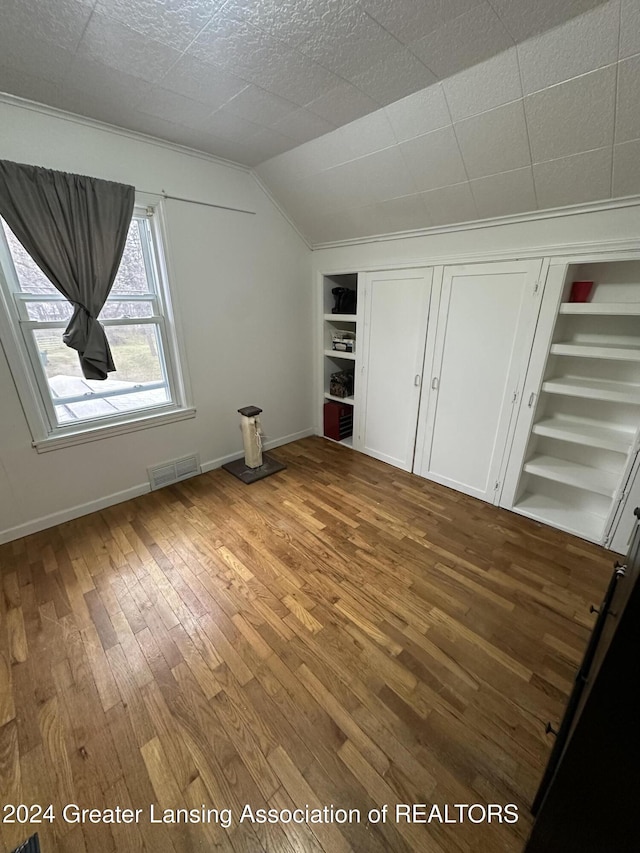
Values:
[(24, 360)]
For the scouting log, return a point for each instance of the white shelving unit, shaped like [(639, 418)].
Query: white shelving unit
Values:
[(332, 360), (580, 421)]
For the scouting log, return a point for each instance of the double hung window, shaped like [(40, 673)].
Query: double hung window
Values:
[(137, 321)]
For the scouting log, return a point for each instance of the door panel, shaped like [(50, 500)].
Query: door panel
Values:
[(396, 314), (485, 329)]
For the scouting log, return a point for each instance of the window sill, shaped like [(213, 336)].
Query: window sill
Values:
[(97, 433)]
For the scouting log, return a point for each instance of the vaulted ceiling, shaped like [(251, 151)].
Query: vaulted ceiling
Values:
[(372, 115)]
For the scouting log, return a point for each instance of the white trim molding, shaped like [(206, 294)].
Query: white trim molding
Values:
[(69, 514), (57, 442), (54, 112)]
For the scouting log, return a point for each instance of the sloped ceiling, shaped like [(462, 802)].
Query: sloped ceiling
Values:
[(554, 121), (249, 79), (363, 117)]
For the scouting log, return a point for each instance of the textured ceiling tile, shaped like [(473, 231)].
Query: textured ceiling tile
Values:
[(629, 27), (110, 110), (463, 42), (105, 83), (434, 159), (61, 22), (233, 151), (406, 213), (26, 54), (505, 193), (409, 20), (349, 42), (267, 143), (257, 105), (295, 77), (341, 225), (284, 169), (229, 127), (122, 48), (581, 45), (209, 84), (450, 205), (172, 22), (176, 108), (524, 18), (572, 117), (364, 136), (628, 112), (398, 74), (232, 42), (485, 86), (28, 86), (495, 141), (376, 177), (626, 169), (574, 180), (418, 113), (342, 104), (291, 21), (301, 126)]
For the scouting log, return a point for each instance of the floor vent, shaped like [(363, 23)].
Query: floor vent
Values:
[(173, 472)]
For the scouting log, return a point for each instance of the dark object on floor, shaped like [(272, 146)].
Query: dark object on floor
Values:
[(588, 798), (250, 475), (31, 845)]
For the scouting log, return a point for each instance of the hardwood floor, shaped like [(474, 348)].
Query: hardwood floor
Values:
[(342, 633)]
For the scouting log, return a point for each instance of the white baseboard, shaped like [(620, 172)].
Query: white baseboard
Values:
[(63, 515), (268, 445)]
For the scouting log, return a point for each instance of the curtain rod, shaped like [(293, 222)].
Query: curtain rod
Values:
[(163, 194)]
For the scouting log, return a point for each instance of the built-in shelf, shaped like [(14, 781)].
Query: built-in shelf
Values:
[(348, 400), (350, 356), (558, 514), (341, 318), (572, 474), (587, 433), (620, 309), (594, 389), (621, 352)]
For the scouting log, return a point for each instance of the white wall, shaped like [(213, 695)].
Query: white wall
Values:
[(241, 286), (533, 237)]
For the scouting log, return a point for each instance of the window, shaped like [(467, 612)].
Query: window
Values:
[(136, 320)]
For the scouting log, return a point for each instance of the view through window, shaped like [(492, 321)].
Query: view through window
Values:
[(134, 325)]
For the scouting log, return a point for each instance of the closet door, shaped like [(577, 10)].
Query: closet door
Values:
[(486, 322), (396, 310)]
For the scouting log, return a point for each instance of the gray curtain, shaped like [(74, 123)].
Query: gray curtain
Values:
[(75, 229)]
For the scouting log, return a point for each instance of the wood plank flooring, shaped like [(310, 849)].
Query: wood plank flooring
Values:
[(339, 634)]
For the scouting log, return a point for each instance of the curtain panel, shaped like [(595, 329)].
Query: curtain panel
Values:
[(75, 229)]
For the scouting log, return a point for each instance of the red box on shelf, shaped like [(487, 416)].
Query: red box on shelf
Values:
[(580, 291), (338, 420)]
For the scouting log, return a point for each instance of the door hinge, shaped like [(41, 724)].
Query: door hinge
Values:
[(497, 486), (537, 287), (515, 396)]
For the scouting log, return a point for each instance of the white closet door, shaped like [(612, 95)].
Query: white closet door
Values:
[(396, 311), (484, 335)]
